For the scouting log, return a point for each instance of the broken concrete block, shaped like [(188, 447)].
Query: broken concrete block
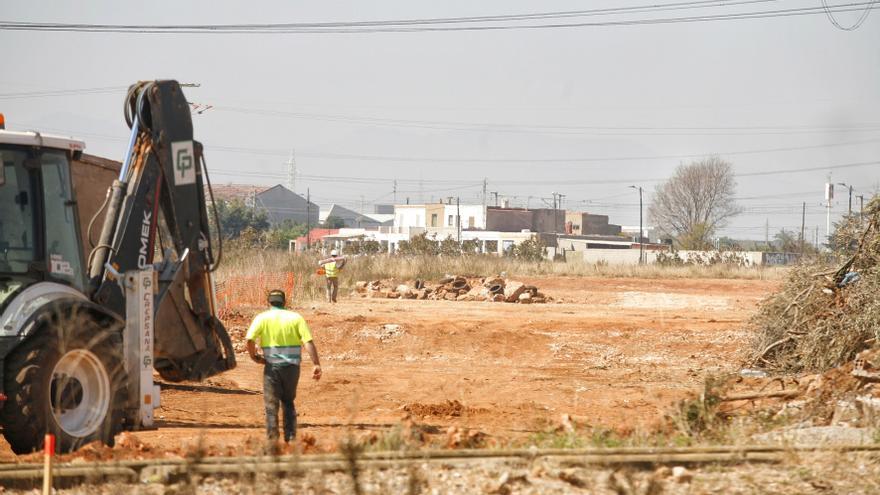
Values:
[(403, 289), (498, 298), (525, 298), (394, 295), (513, 290), (450, 296)]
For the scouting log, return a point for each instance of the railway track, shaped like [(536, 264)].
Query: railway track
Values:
[(169, 470)]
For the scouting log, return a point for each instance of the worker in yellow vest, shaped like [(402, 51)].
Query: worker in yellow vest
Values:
[(282, 334), (332, 266)]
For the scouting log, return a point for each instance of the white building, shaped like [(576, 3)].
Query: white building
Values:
[(409, 217)]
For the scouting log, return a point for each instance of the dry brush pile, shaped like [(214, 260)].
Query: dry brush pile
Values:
[(454, 288), (828, 310)]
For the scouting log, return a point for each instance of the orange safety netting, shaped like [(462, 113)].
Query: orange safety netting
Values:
[(250, 290)]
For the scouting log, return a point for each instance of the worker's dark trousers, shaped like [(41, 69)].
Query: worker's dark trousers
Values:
[(279, 384), (332, 288)]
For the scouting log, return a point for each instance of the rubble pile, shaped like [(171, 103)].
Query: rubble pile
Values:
[(843, 402), (454, 288)]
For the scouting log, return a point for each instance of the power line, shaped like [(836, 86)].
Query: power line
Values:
[(861, 20), (550, 129), (385, 158), (414, 21), (440, 24), (375, 180), (63, 92)]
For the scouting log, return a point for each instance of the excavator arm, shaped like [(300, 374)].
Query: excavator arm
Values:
[(157, 215)]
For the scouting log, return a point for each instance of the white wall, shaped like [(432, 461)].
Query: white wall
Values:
[(615, 256), (631, 256), (407, 217), (467, 211)]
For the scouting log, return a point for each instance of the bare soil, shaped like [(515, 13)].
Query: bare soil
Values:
[(611, 352)]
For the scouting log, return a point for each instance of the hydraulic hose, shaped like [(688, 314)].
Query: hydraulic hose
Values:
[(216, 217)]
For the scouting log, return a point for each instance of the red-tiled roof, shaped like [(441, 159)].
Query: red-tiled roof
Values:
[(317, 235)]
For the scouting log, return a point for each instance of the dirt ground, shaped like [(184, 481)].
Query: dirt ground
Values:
[(610, 352)]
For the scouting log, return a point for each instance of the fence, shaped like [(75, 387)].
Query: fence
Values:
[(250, 290)]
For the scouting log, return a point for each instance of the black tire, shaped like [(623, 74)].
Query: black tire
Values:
[(35, 397)]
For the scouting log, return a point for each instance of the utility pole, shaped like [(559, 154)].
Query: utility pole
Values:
[(829, 196), (767, 232), (395, 191), (861, 205), (803, 224), (291, 172), (850, 195), (308, 220), (641, 228), (458, 218), (495, 193), (485, 197)]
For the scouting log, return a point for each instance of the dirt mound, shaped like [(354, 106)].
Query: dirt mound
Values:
[(451, 408), (454, 288)]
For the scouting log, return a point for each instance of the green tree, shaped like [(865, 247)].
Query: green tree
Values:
[(333, 222), (371, 247), (280, 236), (470, 246), (786, 241), (450, 247), (529, 250), (419, 244), (235, 217)]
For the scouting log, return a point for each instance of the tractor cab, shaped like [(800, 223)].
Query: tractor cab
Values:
[(39, 238)]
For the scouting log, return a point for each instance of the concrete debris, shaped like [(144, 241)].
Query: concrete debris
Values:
[(680, 474), (817, 435), (454, 288)]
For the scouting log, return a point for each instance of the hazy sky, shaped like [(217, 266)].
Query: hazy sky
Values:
[(444, 110)]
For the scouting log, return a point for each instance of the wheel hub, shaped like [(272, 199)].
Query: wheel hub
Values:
[(80, 393)]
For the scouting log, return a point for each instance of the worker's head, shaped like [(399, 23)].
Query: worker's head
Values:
[(276, 298), (334, 252)]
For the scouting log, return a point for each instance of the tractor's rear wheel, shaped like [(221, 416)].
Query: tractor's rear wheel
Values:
[(68, 379)]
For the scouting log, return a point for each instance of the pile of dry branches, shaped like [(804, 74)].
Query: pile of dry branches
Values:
[(828, 310)]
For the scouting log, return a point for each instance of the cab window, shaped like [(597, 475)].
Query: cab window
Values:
[(17, 240), (62, 241)]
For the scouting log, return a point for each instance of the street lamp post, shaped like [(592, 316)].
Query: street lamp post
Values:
[(641, 229), (850, 195)]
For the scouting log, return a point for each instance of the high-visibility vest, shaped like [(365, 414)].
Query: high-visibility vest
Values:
[(330, 270), (281, 334)]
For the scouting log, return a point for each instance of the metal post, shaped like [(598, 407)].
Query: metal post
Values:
[(641, 227), (641, 231), (458, 219), (829, 196), (308, 219), (861, 206), (803, 225), (850, 199)]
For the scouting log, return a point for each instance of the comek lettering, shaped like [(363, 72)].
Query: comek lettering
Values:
[(145, 239)]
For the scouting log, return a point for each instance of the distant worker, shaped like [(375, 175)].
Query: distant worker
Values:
[(281, 334), (332, 266)]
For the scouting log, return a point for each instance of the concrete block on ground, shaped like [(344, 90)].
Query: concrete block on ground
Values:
[(513, 290)]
